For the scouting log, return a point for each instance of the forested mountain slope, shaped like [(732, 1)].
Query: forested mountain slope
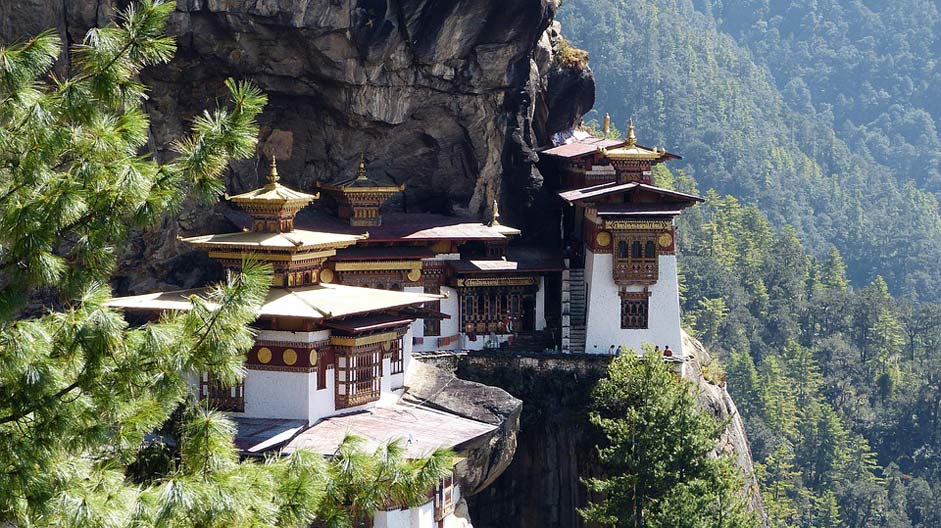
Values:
[(826, 152)]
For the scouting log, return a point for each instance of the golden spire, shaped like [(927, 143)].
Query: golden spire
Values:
[(607, 123), (495, 217), (361, 175), (273, 171), (631, 137)]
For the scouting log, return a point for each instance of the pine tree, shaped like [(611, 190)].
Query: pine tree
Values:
[(79, 388), (656, 459)]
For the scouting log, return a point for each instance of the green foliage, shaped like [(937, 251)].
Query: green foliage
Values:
[(837, 385), (818, 111), (656, 458), (79, 388), (571, 57)]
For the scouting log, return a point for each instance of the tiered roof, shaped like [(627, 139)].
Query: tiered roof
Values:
[(360, 199)]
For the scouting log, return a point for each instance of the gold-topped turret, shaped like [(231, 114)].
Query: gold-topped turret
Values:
[(273, 170), (359, 199), (273, 206), (633, 162)]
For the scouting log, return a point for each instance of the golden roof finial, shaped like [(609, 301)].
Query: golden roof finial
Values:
[(273, 171), (495, 216), (361, 175), (607, 124), (631, 137)]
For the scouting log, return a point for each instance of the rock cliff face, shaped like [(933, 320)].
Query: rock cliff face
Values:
[(450, 98), (555, 448)]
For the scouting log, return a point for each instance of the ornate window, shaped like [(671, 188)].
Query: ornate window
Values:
[(358, 375), (634, 310), (636, 260), (220, 397), (496, 309)]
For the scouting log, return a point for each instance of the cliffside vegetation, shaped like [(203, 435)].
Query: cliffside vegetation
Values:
[(838, 385), (658, 472)]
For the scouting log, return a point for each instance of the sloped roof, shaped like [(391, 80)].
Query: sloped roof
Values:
[(605, 189), (297, 239), (316, 302), (421, 430)]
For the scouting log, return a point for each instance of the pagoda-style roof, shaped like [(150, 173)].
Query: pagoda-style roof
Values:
[(295, 240), (631, 151), (360, 199), (315, 302), (273, 194), (614, 188)]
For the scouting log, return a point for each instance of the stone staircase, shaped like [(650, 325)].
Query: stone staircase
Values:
[(573, 311)]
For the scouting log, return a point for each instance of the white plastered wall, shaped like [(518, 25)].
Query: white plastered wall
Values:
[(603, 316), (287, 394)]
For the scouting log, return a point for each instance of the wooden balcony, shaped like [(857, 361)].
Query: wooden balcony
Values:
[(636, 271)]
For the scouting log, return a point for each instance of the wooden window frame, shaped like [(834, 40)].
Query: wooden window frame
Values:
[(635, 310), (636, 258), (358, 374), (229, 399)]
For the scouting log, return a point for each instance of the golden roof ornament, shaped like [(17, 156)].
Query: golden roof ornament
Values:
[(361, 174), (495, 217), (273, 171), (631, 151), (607, 124)]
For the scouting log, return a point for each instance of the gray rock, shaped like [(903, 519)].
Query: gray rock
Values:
[(450, 98)]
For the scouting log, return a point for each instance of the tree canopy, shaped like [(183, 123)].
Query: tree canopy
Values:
[(81, 390)]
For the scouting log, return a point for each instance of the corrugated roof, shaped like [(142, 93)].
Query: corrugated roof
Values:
[(420, 429)]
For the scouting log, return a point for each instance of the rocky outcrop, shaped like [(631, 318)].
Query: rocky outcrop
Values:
[(715, 398), (451, 98), (486, 458), (542, 487)]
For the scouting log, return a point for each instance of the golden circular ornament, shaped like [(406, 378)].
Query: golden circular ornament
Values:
[(603, 239), (313, 357), (414, 275), (264, 355), (326, 275), (665, 240), (289, 356)]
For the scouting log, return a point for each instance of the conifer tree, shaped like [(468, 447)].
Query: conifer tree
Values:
[(79, 388), (656, 458)]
